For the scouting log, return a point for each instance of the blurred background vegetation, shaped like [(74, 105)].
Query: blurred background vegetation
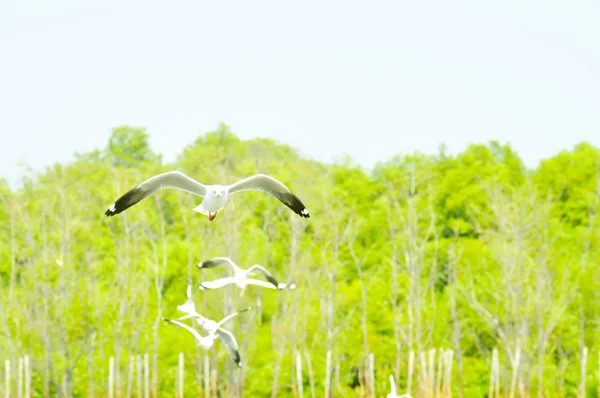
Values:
[(467, 252)]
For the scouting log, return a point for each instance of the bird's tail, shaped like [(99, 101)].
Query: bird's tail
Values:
[(200, 209)]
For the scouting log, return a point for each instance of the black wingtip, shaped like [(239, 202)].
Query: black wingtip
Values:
[(130, 198), (272, 280), (110, 212), (294, 203)]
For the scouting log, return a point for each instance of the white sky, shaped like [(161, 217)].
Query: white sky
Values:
[(327, 77)]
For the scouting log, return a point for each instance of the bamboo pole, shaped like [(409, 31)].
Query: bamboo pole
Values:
[(299, 375), (423, 387), (27, 377), (583, 371), (372, 374), (180, 376), (515, 375), (111, 376), (206, 376), (448, 373), (411, 370), (139, 375), (431, 373), (213, 381), (7, 378), (20, 372), (328, 375), (130, 370), (146, 376), (440, 370)]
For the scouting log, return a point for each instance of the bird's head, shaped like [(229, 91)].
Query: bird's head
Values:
[(217, 191)]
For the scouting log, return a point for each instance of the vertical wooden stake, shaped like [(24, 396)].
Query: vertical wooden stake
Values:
[(213, 381), (431, 372), (583, 371), (111, 376), (440, 371), (328, 375), (206, 376), (180, 376), (20, 378), (7, 378), (372, 374), (146, 376), (411, 370), (140, 373), (515, 375), (299, 375), (27, 377)]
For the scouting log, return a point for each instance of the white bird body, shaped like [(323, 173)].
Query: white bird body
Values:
[(214, 196), (241, 277), (213, 328), (207, 341), (213, 203)]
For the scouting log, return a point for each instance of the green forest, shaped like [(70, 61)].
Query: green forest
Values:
[(472, 258)]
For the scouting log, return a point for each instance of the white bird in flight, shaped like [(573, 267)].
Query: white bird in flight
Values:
[(189, 307), (214, 196), (213, 328), (208, 325), (240, 276)]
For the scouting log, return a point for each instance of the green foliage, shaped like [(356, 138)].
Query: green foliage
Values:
[(128, 146), (468, 252)]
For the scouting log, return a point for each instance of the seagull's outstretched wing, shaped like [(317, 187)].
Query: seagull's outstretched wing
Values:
[(228, 317), (264, 183), (232, 346), (188, 316), (201, 340), (217, 283), (259, 269), (215, 262), (258, 282), (171, 179), (227, 337)]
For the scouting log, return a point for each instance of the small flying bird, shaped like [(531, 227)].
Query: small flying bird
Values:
[(215, 331), (214, 196), (240, 276)]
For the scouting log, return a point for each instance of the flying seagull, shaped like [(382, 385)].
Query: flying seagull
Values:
[(214, 196), (207, 342), (189, 307), (240, 276)]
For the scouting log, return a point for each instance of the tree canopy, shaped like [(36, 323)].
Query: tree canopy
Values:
[(467, 252)]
